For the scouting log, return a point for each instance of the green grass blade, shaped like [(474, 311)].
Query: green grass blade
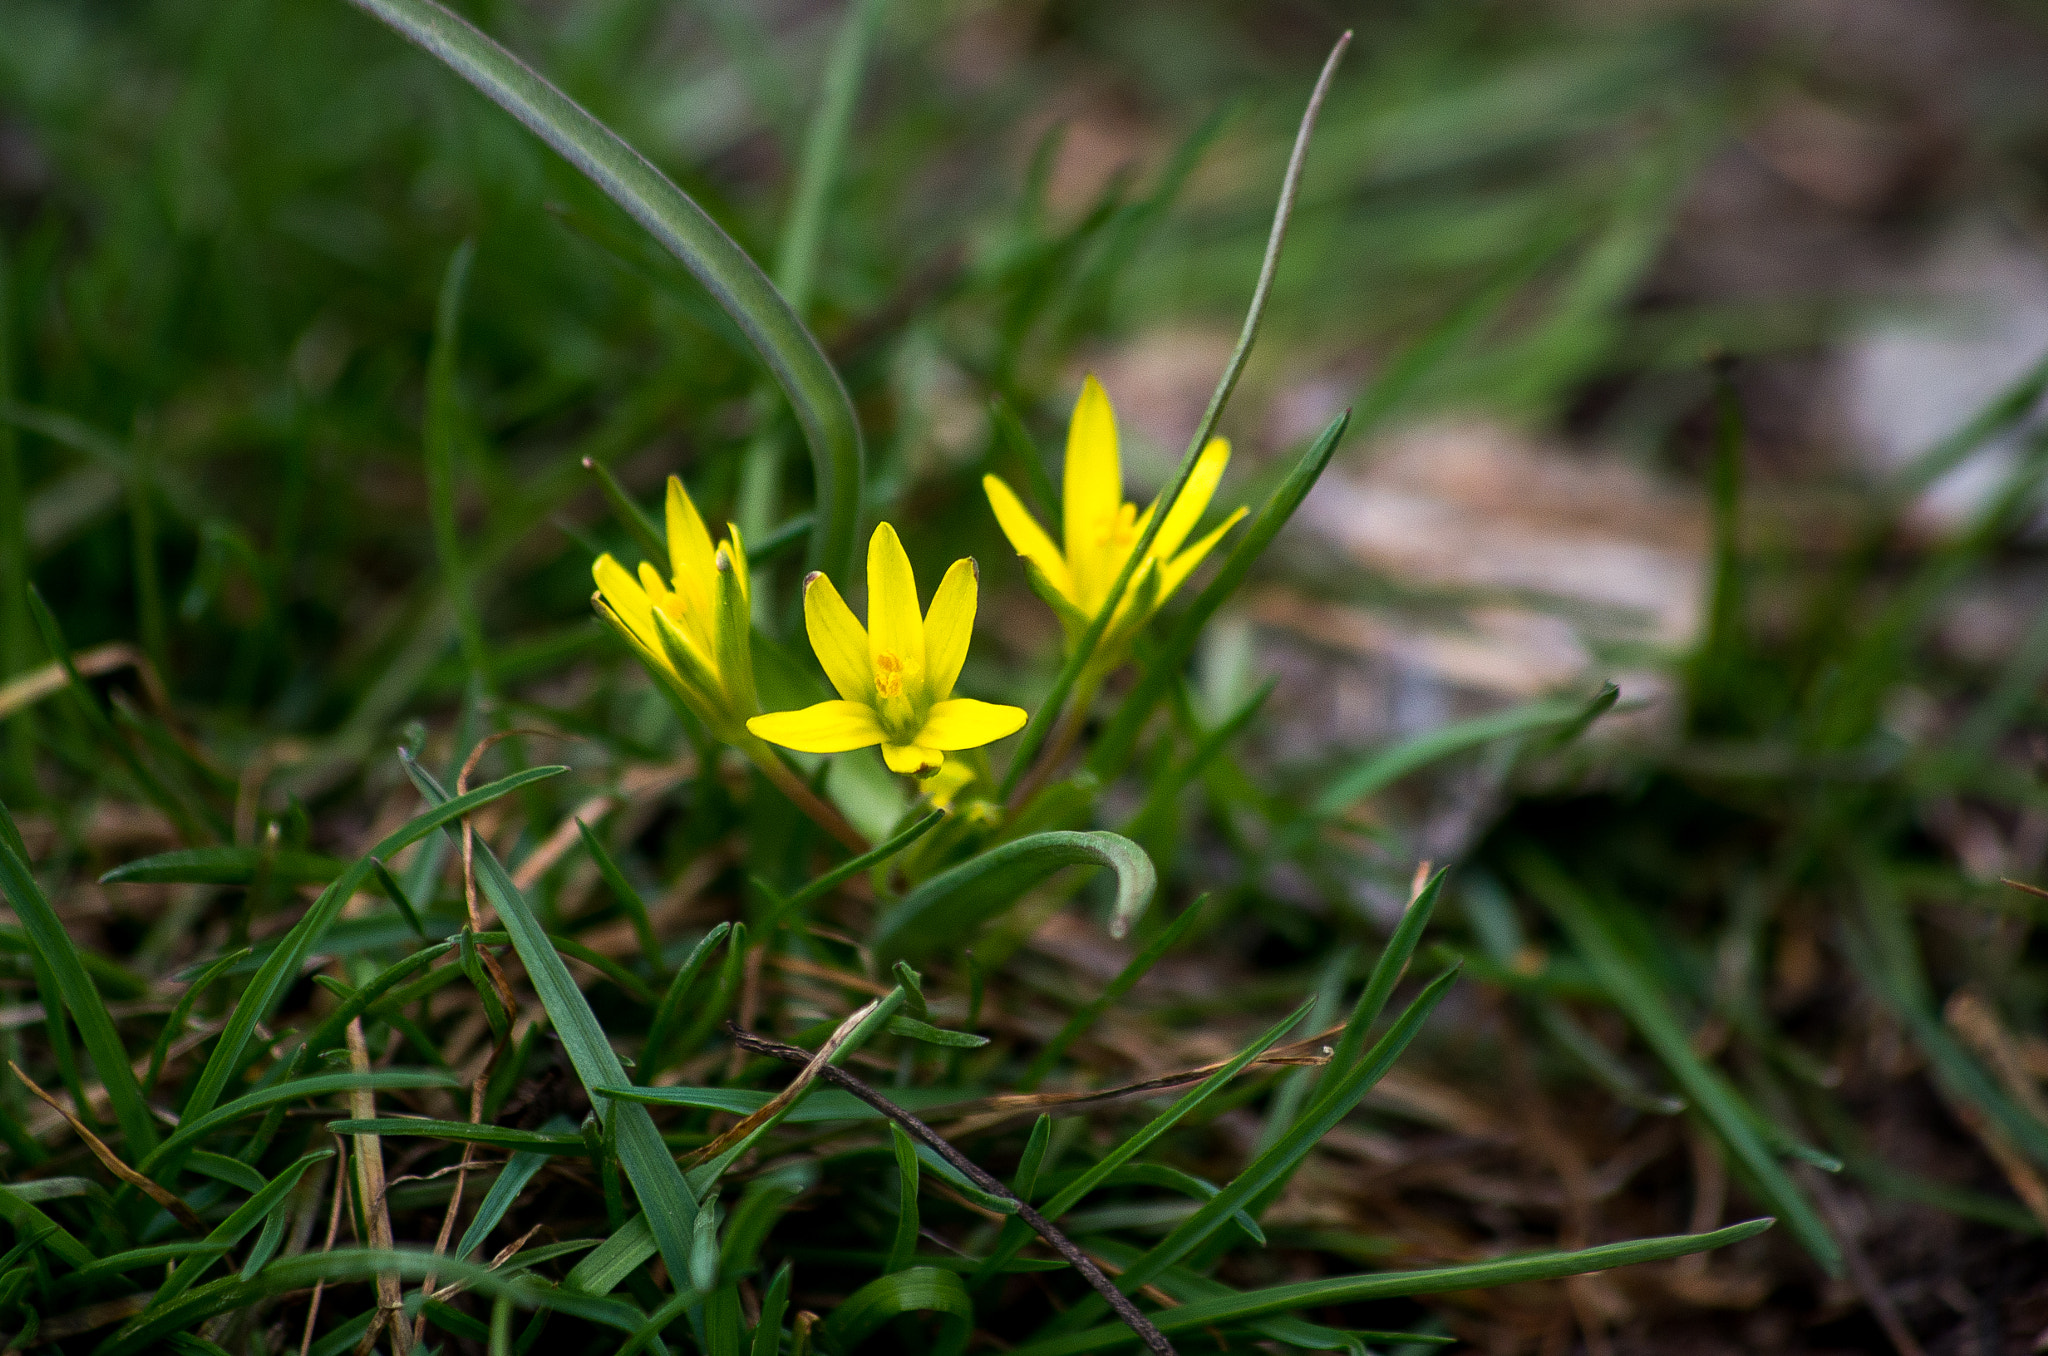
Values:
[(193, 1129), (903, 1247), (227, 866), (845, 871), (790, 350), (669, 1016), (31, 1223), (768, 1332), (1637, 994), (189, 820), (230, 1231), (1382, 769), (1091, 1012), (344, 1265), (1015, 1234), (1280, 1159), (630, 515), (665, 1198), (443, 433), (519, 1170), (1113, 749), (55, 949), (1386, 973), (1084, 652), (281, 968), (947, 908), (630, 903), (919, 1289), (1280, 1299)]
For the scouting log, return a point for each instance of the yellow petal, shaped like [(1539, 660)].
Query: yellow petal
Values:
[(840, 641), (629, 601), (964, 723), (1193, 502), (912, 760), (696, 623), (738, 549), (948, 627), (1092, 492), (828, 727), (689, 550), (1183, 565), (1025, 534), (895, 628)]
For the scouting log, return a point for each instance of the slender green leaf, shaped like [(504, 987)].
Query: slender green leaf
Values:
[(1637, 994), (227, 866), (741, 289), (847, 870), (1280, 1299), (665, 1199), (946, 909), (54, 949), (904, 1246), (926, 1289), (280, 970), (1091, 1012)]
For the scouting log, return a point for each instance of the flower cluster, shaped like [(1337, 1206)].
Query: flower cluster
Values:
[(895, 675)]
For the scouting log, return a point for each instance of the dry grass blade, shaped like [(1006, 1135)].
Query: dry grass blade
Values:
[(18, 694), (814, 1063), (182, 1212), (931, 1139), (376, 1211)]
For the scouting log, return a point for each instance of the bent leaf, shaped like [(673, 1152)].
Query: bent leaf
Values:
[(947, 909)]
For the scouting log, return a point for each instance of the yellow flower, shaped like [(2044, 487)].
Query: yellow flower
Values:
[(895, 681), (691, 630), (1102, 528)]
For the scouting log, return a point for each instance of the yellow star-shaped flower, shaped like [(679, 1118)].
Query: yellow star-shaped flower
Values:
[(690, 630), (1102, 528), (894, 678)]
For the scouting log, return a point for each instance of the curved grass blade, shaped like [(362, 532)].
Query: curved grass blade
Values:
[(947, 908), (791, 352), (55, 949), (1280, 1299), (665, 1198), (925, 1289)]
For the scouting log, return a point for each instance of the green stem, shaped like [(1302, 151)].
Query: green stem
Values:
[(791, 352)]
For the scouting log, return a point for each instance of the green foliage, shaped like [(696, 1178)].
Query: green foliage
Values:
[(318, 378)]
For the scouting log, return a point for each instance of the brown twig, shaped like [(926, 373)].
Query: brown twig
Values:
[(1147, 1333), (112, 1161), (333, 1227)]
